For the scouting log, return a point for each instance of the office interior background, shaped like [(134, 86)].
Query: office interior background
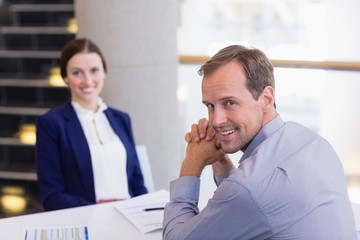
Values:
[(312, 43)]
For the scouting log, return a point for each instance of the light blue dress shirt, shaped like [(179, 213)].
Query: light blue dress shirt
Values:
[(290, 184)]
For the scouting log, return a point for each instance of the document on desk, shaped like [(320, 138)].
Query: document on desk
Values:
[(356, 209), (65, 233), (146, 212)]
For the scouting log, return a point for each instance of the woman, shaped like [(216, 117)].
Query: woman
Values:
[(85, 150)]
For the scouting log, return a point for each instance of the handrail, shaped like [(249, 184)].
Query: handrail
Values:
[(328, 65)]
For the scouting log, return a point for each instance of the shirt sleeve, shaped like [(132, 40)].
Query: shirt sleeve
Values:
[(219, 179), (230, 214)]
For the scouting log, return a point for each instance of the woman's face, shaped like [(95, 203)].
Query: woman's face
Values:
[(85, 77)]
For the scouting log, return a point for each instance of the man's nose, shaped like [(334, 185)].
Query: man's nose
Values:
[(219, 116)]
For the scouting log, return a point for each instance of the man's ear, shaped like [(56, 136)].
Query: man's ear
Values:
[(268, 96)]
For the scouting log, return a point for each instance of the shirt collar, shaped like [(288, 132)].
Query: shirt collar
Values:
[(80, 110), (263, 134)]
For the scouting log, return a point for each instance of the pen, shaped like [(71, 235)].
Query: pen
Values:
[(154, 209)]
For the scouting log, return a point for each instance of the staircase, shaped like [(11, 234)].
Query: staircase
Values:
[(32, 33)]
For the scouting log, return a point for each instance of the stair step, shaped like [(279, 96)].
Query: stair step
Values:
[(34, 38), (31, 111), (21, 167), (40, 14), (27, 64), (41, 8), (42, 83), (30, 176), (28, 54), (32, 96), (39, 1), (12, 123), (53, 30)]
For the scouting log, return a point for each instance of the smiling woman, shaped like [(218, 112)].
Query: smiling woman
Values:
[(85, 77), (85, 150)]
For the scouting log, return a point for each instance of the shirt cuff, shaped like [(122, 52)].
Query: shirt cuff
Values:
[(219, 179), (185, 188)]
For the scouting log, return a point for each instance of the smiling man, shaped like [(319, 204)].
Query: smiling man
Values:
[(289, 184)]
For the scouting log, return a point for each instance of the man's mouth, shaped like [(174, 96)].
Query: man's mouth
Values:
[(225, 133)]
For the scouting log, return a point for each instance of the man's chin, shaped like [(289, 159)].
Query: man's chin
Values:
[(228, 149)]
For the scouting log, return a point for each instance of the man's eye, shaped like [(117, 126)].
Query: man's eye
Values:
[(210, 106)]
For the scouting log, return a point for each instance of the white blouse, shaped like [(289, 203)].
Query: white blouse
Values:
[(108, 154)]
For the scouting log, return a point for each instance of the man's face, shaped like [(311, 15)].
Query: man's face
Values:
[(233, 113)]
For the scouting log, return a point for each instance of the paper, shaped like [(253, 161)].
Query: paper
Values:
[(134, 210), (66, 233), (356, 209)]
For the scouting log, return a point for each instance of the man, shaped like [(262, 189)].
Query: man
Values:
[(290, 183)]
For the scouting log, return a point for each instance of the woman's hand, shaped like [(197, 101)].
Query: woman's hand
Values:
[(108, 200)]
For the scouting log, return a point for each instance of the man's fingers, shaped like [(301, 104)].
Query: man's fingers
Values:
[(187, 137), (218, 144), (210, 134), (199, 131), (202, 127), (194, 134)]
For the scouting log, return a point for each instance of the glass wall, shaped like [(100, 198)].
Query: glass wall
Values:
[(285, 29)]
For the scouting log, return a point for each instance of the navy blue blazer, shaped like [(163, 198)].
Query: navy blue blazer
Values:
[(63, 160)]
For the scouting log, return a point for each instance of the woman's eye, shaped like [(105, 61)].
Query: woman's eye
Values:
[(94, 70), (75, 73)]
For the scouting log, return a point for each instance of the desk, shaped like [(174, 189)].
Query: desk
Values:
[(356, 209), (103, 221)]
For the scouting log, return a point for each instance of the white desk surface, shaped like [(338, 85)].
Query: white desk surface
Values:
[(356, 208), (103, 221)]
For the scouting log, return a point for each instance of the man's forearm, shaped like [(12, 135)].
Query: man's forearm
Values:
[(191, 168)]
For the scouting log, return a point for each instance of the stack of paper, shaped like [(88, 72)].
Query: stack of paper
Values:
[(146, 212)]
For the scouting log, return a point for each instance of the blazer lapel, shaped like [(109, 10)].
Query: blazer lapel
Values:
[(118, 128), (81, 149)]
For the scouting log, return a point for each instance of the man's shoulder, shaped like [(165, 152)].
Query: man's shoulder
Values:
[(298, 127)]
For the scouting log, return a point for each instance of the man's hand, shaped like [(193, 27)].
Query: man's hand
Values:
[(200, 131), (198, 155), (203, 132)]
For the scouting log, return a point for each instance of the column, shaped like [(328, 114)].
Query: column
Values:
[(138, 39)]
